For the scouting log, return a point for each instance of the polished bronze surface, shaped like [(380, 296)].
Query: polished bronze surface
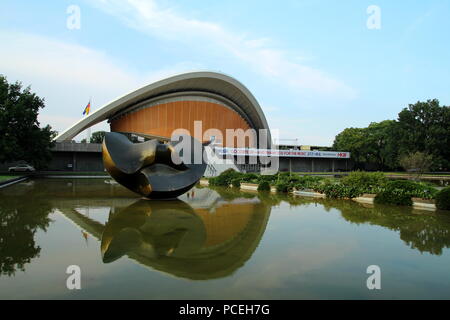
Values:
[(152, 168), (188, 242)]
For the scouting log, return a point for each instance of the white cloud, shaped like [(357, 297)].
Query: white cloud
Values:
[(67, 75), (151, 18)]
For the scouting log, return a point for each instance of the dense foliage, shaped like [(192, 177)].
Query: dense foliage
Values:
[(336, 190), (236, 182), (305, 182), (283, 187), (443, 199), (422, 127), (365, 182), (264, 186), (400, 192), (97, 137), (21, 137), (351, 186), (394, 196), (418, 162), (225, 178)]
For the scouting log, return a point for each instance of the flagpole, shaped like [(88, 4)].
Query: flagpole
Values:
[(88, 138)]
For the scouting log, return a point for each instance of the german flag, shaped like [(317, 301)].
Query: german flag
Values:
[(87, 109)]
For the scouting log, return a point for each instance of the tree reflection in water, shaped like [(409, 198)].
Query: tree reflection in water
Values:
[(208, 235), (421, 230), (19, 222)]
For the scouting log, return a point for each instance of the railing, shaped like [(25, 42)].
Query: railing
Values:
[(210, 171)]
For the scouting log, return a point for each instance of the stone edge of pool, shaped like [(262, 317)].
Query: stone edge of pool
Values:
[(10, 182)]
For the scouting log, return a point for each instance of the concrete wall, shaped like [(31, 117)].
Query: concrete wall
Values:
[(79, 161), (68, 156)]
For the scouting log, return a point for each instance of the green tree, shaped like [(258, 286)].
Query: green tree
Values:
[(417, 162), (352, 140), (424, 127), (97, 137), (375, 144), (380, 144), (21, 137)]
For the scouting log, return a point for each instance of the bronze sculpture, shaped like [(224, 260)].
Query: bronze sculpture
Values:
[(154, 169)]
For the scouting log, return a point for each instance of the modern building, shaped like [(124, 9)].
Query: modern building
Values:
[(214, 101)]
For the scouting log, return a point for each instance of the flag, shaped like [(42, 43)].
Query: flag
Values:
[(87, 109)]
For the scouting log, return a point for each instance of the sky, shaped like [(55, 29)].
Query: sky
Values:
[(316, 67)]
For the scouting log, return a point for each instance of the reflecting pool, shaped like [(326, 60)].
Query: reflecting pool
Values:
[(213, 244)]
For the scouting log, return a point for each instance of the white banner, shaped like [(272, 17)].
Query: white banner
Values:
[(282, 153)]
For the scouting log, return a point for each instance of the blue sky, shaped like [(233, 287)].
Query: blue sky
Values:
[(314, 66)]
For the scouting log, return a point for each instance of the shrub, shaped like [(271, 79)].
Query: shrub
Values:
[(339, 191), (236, 183), (218, 181), (335, 190), (413, 188), (400, 192), (323, 185), (443, 199), (225, 178), (395, 196), (307, 182), (283, 187), (284, 175), (264, 186), (425, 190), (268, 178), (249, 177), (367, 182)]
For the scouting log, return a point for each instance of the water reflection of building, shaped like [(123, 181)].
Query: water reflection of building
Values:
[(200, 237), (26, 208)]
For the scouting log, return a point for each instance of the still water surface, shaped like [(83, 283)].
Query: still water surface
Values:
[(213, 244)]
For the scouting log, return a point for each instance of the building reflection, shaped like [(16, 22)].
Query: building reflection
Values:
[(206, 234)]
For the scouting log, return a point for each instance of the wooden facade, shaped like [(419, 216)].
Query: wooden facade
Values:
[(163, 119)]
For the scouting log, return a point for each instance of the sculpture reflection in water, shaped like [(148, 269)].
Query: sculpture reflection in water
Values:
[(154, 169), (206, 238)]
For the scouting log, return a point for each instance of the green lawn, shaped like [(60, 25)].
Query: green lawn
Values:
[(4, 178)]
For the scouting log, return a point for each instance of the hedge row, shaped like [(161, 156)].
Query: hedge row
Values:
[(354, 185)]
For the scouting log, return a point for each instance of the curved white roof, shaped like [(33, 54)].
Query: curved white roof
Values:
[(203, 81)]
